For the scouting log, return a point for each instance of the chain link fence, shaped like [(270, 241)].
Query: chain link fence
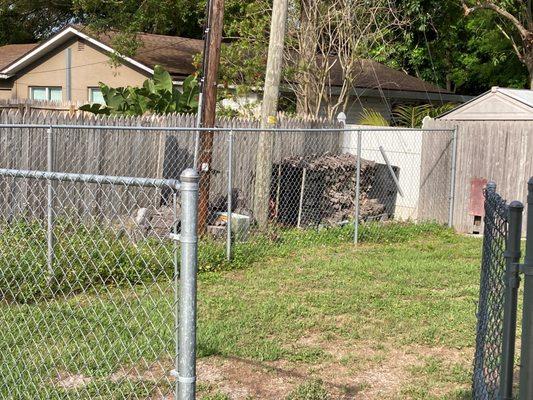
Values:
[(489, 336), (311, 176), (88, 283), (87, 286)]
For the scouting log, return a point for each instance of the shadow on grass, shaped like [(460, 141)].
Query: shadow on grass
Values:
[(250, 365)]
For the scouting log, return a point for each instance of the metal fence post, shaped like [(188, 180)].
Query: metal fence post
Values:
[(357, 188), (451, 204), (176, 238), (50, 205), (526, 355), (230, 195), (188, 271), (512, 280)]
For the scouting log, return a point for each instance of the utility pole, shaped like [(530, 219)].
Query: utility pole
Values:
[(209, 99), (268, 112)]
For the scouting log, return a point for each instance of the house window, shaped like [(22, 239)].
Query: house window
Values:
[(46, 93), (95, 96)]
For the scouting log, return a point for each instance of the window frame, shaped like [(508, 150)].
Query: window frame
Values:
[(90, 90), (48, 91)]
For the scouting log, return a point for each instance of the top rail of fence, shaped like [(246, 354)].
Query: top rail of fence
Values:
[(221, 129), (86, 178)]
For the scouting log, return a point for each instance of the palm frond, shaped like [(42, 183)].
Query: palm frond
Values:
[(372, 118)]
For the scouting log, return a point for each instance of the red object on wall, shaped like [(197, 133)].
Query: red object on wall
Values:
[(476, 205)]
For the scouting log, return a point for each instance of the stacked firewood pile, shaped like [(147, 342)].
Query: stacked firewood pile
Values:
[(320, 190)]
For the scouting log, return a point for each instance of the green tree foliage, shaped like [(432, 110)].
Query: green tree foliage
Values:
[(25, 21), (244, 55), (464, 55), (30, 20), (412, 116), (156, 96)]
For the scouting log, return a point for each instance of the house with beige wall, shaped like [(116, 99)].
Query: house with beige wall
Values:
[(69, 66)]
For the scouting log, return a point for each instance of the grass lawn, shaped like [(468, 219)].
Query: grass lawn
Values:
[(392, 320)]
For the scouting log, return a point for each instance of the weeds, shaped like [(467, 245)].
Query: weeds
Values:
[(89, 256), (313, 390)]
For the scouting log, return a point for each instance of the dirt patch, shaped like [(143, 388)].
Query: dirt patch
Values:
[(363, 371), (66, 380), (151, 372)]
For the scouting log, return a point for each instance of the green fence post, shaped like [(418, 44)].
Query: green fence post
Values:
[(526, 354), (512, 280)]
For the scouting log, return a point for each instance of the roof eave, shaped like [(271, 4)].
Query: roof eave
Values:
[(411, 95), (57, 40)]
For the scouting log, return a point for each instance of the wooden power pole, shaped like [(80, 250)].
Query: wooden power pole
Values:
[(268, 112), (209, 100)]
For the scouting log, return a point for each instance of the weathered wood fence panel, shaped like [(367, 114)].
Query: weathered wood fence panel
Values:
[(138, 153), (496, 150)]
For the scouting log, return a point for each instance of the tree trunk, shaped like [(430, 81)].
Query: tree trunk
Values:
[(529, 64), (265, 145), (306, 57)]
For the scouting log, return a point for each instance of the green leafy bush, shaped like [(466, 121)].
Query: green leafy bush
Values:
[(157, 96)]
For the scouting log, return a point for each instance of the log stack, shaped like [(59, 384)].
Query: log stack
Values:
[(320, 190)]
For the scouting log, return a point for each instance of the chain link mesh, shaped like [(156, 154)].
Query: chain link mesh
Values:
[(489, 337), (98, 322), (87, 302)]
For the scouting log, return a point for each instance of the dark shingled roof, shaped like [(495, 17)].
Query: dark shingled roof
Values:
[(12, 52), (371, 74), (176, 55), (173, 53)]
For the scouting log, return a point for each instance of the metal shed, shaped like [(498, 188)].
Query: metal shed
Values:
[(494, 142)]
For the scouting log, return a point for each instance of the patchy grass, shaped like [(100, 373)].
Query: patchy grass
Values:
[(310, 316)]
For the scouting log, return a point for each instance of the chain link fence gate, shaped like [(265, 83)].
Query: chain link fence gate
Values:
[(497, 307), (89, 285)]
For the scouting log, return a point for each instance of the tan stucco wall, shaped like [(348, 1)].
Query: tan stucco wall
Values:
[(89, 66)]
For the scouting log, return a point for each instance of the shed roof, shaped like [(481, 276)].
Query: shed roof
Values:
[(498, 104)]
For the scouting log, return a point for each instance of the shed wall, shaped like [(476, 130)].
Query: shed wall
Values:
[(501, 151)]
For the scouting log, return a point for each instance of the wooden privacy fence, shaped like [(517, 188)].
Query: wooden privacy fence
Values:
[(86, 145)]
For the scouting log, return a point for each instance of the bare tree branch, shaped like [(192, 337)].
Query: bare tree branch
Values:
[(326, 43), (513, 43), (487, 5)]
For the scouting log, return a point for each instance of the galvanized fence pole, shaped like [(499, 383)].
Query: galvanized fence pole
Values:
[(357, 187), (188, 271), (176, 238), (512, 280), (229, 194), (50, 205), (453, 173), (526, 355)]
